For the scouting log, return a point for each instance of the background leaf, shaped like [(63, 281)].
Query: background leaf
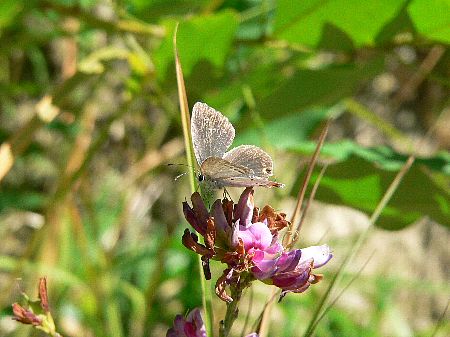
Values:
[(361, 176), (431, 18), (206, 38), (304, 22)]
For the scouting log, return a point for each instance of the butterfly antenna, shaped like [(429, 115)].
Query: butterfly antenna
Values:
[(179, 176), (172, 164)]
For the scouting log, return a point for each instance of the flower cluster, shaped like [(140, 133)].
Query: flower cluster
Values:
[(37, 312), (191, 326), (245, 238)]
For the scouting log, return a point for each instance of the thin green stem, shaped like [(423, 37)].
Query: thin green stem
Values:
[(186, 122), (233, 307)]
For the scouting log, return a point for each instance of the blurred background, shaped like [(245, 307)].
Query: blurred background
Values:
[(89, 119)]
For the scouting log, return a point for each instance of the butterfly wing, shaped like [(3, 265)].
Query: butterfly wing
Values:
[(252, 157), (212, 133), (221, 173)]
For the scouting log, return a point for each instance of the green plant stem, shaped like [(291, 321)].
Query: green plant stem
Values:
[(232, 308), (185, 120)]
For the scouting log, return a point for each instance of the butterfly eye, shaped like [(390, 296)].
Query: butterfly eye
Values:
[(201, 177)]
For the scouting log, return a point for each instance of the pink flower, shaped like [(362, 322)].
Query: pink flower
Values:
[(288, 270), (191, 326), (246, 239)]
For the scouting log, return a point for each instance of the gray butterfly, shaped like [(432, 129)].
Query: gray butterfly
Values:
[(243, 166)]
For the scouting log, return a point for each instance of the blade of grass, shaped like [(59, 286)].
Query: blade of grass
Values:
[(364, 113), (440, 321), (333, 302), (359, 241), (186, 122), (363, 236), (185, 115), (290, 239), (137, 312), (308, 204), (249, 311), (301, 195)]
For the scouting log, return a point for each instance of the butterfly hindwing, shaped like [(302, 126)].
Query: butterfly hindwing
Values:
[(252, 157), (212, 133), (219, 173), (218, 168)]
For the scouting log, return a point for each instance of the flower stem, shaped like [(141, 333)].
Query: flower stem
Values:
[(233, 307), (232, 312)]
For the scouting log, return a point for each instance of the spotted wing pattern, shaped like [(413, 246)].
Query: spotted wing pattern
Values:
[(212, 133), (252, 157)]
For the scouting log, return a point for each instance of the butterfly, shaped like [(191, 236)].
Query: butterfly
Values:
[(242, 166)]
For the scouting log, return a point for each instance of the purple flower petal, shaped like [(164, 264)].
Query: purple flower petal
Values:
[(289, 261), (263, 236), (320, 254), (257, 235), (264, 262), (293, 279), (191, 326)]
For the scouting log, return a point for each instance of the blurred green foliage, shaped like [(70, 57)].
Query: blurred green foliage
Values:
[(88, 199)]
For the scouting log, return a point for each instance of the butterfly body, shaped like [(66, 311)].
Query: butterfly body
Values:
[(243, 166)]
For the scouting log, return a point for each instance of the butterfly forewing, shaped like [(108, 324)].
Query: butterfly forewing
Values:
[(252, 157), (212, 133)]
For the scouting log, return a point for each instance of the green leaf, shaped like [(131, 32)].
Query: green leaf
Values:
[(317, 87), (206, 38), (304, 22), (431, 18), (9, 9), (362, 175), (286, 132)]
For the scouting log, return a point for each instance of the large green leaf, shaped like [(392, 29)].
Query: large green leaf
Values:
[(431, 18), (207, 38), (317, 87), (309, 22), (361, 177)]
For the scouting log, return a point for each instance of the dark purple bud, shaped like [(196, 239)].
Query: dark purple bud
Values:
[(191, 217), (220, 221), (243, 210), (190, 242), (206, 269)]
